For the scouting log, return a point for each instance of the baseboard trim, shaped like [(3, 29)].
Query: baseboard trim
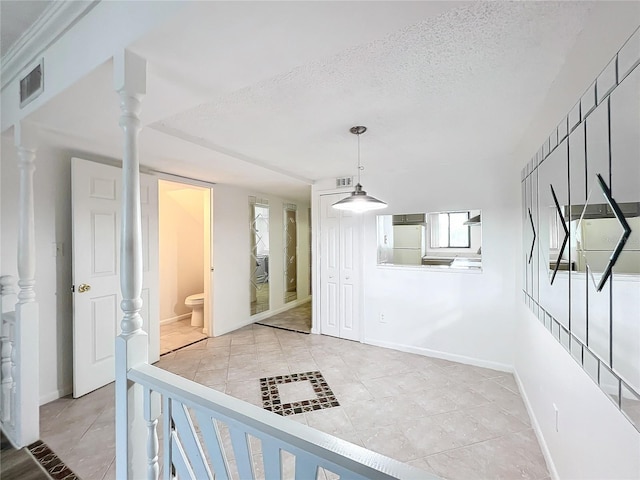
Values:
[(175, 319), (546, 453), (477, 362), (56, 394), (287, 306)]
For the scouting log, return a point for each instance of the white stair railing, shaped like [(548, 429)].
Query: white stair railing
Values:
[(7, 367), (207, 434)]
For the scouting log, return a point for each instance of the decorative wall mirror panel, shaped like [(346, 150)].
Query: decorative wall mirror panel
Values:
[(290, 252), (581, 232), (259, 255), (553, 255), (439, 240)]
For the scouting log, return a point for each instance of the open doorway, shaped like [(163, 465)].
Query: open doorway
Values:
[(184, 225)]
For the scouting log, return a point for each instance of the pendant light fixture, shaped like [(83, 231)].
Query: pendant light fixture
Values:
[(359, 201)]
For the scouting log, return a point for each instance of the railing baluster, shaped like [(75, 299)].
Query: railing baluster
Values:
[(241, 452), (7, 310), (271, 459), (5, 366), (187, 433), (151, 414), (306, 467), (167, 430), (213, 442), (14, 387), (7, 293), (183, 469)]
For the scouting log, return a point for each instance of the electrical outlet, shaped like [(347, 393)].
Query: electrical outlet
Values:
[(557, 415), (382, 319)]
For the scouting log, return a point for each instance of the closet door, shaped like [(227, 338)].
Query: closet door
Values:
[(349, 275), (339, 271)]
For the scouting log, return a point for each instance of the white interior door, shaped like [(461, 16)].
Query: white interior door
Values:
[(350, 285), (339, 270), (96, 197), (329, 266)]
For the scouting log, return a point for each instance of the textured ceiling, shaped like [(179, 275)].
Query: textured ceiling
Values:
[(262, 94), (459, 87)]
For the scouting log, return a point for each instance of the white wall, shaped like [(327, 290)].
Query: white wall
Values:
[(181, 238), (593, 440), (452, 314), (52, 184), (231, 250)]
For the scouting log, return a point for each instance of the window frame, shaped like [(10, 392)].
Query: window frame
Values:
[(468, 243)]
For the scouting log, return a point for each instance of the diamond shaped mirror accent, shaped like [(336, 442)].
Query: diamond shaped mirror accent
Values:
[(563, 245), (602, 233), (533, 240)]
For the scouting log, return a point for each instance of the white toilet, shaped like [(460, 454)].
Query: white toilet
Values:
[(196, 303)]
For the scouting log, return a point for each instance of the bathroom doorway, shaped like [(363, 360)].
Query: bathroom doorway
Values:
[(184, 227)]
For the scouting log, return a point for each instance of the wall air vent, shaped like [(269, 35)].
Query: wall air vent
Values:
[(342, 182), (32, 84)]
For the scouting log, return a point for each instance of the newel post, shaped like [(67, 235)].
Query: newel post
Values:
[(26, 346), (132, 343)]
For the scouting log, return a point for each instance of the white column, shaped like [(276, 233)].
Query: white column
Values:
[(26, 221), (132, 343), (26, 347)]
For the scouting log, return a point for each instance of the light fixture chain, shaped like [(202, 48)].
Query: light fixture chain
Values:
[(359, 167), (359, 201)]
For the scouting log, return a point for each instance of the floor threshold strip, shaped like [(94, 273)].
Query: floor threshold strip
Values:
[(291, 329), (50, 462), (183, 346)]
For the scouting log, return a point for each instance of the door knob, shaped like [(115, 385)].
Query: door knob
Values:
[(84, 288)]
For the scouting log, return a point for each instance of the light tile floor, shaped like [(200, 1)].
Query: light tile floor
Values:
[(178, 334), (454, 420), (297, 319)]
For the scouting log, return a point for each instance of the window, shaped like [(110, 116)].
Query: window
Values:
[(448, 230)]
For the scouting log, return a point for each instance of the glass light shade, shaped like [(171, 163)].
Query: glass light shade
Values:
[(359, 201)]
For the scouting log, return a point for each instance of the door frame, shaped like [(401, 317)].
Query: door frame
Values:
[(208, 279), (316, 238)]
